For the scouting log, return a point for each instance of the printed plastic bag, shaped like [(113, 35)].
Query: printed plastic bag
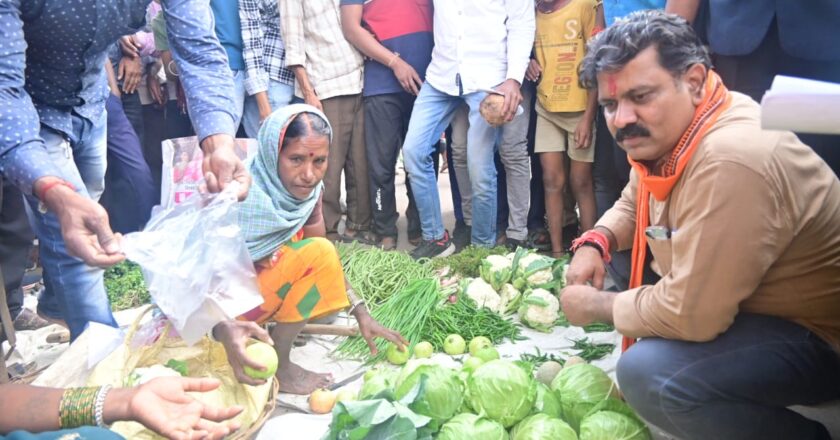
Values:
[(196, 264)]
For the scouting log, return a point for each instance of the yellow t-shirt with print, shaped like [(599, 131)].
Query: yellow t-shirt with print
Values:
[(559, 46)]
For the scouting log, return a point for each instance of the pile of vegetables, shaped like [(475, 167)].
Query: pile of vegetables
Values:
[(467, 263), (126, 287), (376, 274), (462, 316), (406, 312), (498, 400)]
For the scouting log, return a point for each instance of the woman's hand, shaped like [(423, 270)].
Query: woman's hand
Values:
[(234, 335), (164, 406), (370, 329)]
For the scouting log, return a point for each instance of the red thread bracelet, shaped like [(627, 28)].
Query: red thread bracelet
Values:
[(53, 184), (596, 239)]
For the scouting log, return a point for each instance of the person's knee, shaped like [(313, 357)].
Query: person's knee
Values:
[(581, 183), (554, 181), (657, 388)]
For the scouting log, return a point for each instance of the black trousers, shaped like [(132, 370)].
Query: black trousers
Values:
[(386, 122), (15, 243)]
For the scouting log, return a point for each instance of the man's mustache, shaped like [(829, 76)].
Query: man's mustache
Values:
[(633, 130)]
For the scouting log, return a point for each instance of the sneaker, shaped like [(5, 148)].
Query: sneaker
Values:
[(461, 236), (434, 248), (513, 244)]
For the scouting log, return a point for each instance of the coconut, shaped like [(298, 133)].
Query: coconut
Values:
[(492, 109)]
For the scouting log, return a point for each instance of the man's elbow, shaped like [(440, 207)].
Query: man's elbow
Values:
[(700, 328)]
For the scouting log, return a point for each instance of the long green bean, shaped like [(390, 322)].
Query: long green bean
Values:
[(469, 321), (376, 274)]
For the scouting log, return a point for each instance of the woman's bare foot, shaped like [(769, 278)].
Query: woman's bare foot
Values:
[(295, 379)]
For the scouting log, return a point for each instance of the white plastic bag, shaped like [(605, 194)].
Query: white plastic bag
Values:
[(196, 264)]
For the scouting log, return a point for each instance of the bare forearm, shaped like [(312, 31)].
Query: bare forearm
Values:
[(360, 37), (29, 408), (303, 80), (591, 105)]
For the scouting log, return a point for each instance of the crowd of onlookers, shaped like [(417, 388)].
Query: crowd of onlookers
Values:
[(407, 78)]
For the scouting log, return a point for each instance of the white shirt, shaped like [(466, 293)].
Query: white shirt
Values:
[(481, 43)]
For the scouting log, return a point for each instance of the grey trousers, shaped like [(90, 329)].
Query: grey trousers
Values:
[(513, 150), (347, 154)]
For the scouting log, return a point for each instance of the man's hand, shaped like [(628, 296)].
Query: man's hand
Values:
[(587, 266), (157, 90), (164, 406), (312, 99), (513, 96), (534, 71), (234, 335), (84, 225), (221, 165), (130, 71), (583, 133), (407, 76), (130, 46), (371, 329), (584, 305)]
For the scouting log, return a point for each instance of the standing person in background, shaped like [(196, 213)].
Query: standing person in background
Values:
[(129, 194), (268, 83), (478, 45), (752, 42), (53, 145), (396, 36), (565, 111), (329, 77)]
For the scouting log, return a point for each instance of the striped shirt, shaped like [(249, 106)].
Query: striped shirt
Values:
[(264, 52), (313, 38)]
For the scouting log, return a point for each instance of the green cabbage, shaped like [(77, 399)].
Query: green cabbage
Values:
[(543, 427), (546, 403), (442, 395), (610, 425), (382, 381), (466, 426), (580, 388), (502, 391)]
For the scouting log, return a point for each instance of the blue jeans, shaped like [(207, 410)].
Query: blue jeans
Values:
[(432, 112), (279, 96), (737, 386), (73, 290)]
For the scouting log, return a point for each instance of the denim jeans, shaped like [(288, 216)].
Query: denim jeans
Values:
[(15, 243), (73, 291), (239, 95), (737, 386), (432, 112), (279, 96)]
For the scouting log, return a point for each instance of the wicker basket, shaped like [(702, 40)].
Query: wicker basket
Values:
[(206, 358)]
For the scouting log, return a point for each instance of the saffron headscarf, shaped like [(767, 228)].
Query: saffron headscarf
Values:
[(271, 215)]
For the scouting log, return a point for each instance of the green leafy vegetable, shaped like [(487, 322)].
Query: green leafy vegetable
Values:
[(471, 426), (126, 287), (543, 426), (612, 425), (442, 394), (502, 391), (547, 403), (580, 388), (467, 263), (179, 366)]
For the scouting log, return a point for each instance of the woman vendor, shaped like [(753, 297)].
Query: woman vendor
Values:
[(298, 270)]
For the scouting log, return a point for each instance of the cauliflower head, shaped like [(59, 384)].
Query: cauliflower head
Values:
[(483, 294), (539, 310)]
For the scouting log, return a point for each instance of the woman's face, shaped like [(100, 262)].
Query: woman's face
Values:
[(302, 164), (184, 157)]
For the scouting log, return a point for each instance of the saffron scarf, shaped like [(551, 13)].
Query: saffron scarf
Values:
[(716, 100), (271, 215)]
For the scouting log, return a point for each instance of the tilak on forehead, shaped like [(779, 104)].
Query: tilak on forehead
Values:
[(611, 87)]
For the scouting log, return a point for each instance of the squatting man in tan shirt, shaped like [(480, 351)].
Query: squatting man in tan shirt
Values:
[(741, 224)]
